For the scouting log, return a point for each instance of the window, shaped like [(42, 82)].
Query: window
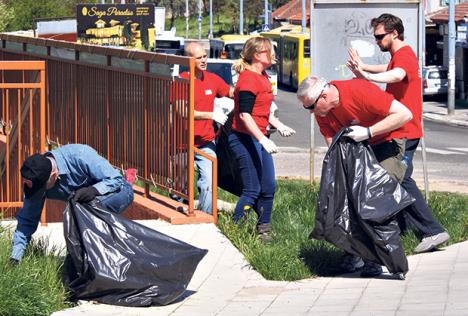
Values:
[(439, 74), (234, 50), (306, 48)]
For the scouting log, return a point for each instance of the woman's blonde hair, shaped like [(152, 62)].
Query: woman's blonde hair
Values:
[(252, 46)]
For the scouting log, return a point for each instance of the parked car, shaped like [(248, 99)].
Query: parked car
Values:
[(435, 80)]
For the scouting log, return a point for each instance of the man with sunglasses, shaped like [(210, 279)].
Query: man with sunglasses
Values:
[(403, 79), (207, 86), (56, 175), (370, 113)]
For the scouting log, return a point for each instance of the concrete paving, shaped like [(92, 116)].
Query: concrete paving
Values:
[(437, 111), (225, 284)]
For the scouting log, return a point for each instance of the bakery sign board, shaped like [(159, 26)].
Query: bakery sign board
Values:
[(127, 25)]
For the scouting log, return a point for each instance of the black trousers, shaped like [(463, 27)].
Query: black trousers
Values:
[(418, 215)]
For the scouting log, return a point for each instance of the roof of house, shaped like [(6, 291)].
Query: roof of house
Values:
[(461, 11), (286, 11), (297, 18)]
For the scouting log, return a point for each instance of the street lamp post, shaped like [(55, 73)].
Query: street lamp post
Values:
[(266, 14), (186, 18), (210, 35), (451, 58), (304, 14), (241, 17), (199, 18)]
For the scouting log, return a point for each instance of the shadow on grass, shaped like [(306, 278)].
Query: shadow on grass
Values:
[(321, 258)]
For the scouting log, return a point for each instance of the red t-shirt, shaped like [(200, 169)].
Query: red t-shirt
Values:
[(260, 85), (361, 103), (207, 89), (408, 91)]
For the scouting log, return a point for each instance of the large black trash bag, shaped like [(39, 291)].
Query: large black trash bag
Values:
[(228, 171), (357, 205), (116, 261)]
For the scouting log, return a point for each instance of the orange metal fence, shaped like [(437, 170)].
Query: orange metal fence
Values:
[(22, 125), (121, 103)]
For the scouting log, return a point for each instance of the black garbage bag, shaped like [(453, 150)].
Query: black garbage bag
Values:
[(228, 171), (113, 260), (357, 205)]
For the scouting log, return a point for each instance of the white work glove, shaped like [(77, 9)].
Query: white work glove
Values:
[(359, 133), (219, 116), (268, 144), (285, 131)]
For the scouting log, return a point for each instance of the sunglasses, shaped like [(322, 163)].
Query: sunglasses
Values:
[(379, 37), (312, 106)]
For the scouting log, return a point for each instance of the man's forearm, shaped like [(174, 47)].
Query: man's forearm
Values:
[(374, 68), (198, 115), (394, 75), (391, 122)]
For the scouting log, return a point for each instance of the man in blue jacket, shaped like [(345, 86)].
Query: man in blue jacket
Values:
[(58, 173)]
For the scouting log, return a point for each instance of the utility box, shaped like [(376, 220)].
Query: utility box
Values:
[(338, 25)]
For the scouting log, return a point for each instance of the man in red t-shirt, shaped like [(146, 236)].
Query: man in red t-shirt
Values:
[(369, 112), (208, 86), (403, 80)]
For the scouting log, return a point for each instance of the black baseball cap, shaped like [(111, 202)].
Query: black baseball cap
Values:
[(37, 169)]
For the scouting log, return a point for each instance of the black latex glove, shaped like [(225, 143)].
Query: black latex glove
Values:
[(86, 194)]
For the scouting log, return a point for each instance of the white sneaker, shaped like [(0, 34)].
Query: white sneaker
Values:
[(431, 242)]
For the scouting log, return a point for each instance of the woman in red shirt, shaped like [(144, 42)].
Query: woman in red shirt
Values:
[(251, 147)]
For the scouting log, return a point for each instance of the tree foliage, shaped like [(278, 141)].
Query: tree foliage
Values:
[(6, 16), (252, 10), (22, 13)]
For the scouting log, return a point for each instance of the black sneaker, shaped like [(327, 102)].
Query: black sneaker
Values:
[(351, 263), (14, 262), (371, 269)]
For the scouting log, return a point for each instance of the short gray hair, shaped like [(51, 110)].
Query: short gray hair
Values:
[(311, 87)]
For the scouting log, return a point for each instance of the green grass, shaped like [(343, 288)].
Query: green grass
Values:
[(34, 287), (292, 256)]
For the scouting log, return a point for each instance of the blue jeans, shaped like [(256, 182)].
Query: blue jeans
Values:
[(257, 172), (205, 177), (116, 202), (418, 214)]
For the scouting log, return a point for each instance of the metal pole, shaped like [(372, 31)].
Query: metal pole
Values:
[(451, 56), (421, 54), (210, 35), (303, 30), (186, 18), (312, 118), (266, 13), (241, 17), (199, 18)]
